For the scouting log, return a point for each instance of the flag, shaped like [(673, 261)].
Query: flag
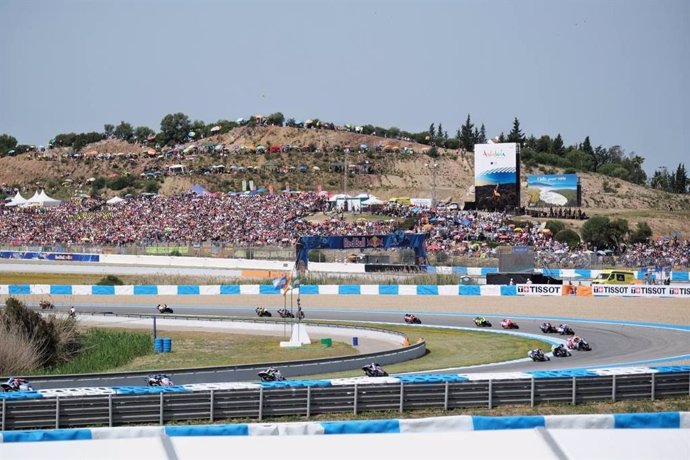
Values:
[(291, 284), (280, 283)]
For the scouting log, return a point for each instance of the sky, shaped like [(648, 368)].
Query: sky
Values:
[(615, 70)]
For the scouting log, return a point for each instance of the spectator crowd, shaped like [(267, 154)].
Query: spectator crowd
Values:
[(280, 219)]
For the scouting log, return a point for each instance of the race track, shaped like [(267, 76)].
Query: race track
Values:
[(619, 336)]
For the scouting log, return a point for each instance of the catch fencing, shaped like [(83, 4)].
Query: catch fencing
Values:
[(167, 405)]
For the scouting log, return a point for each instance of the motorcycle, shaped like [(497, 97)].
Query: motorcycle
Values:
[(547, 328), (509, 324), (261, 312), (16, 384), (271, 375), (159, 380), (480, 321), (285, 313), (46, 305), (537, 355), (560, 351), (162, 309), (412, 319), (374, 370), (564, 329), (578, 343)]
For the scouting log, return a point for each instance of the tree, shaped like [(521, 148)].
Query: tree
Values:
[(568, 236), (481, 139), (557, 147), (466, 135), (276, 119), (586, 147), (439, 131), (142, 133), (661, 180), (641, 234), (108, 130), (555, 226), (174, 128), (600, 158), (680, 180), (7, 143), (601, 232), (516, 135), (124, 131)]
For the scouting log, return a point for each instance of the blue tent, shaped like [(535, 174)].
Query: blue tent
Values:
[(199, 190)]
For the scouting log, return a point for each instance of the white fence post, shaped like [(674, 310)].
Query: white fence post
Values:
[(574, 398), (531, 393), (613, 388), (261, 403), (212, 403), (402, 396), (491, 393), (57, 412), (653, 386), (160, 415), (110, 410), (445, 398), (4, 411), (308, 401), (355, 400)]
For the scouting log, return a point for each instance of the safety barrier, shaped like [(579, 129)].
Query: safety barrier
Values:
[(284, 265), (657, 420), (161, 405), (674, 290)]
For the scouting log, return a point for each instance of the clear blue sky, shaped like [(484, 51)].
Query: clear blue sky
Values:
[(616, 70)]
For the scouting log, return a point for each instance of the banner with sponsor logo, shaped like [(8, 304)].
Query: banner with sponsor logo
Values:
[(496, 176), (641, 290), (64, 256), (539, 289)]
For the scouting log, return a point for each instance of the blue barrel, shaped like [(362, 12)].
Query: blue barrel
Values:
[(167, 344), (158, 345), (355, 341)]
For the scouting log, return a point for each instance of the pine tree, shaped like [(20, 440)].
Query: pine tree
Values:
[(439, 131), (557, 146), (466, 138), (482, 135), (516, 135), (680, 179), (432, 130), (586, 147)]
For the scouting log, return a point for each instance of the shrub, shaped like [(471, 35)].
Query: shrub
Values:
[(18, 354), (555, 226), (641, 234), (110, 280), (570, 237)]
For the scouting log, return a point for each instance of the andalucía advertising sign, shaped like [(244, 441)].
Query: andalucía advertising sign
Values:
[(496, 176)]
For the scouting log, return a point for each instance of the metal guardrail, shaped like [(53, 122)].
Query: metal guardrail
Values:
[(258, 404)]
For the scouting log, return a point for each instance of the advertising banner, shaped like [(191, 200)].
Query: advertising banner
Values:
[(496, 176), (61, 256), (547, 190), (641, 290), (539, 289)]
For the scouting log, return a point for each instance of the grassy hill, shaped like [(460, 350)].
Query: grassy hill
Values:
[(393, 172)]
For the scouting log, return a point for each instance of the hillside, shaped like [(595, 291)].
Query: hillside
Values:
[(394, 171)]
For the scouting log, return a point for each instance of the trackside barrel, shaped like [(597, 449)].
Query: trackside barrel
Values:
[(167, 344), (158, 345)]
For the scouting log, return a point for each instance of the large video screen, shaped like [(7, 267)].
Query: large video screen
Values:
[(496, 176), (547, 190)]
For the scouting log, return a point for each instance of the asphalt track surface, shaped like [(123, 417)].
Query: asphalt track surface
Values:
[(614, 343)]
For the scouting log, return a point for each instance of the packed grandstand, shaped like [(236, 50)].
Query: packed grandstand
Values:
[(278, 220)]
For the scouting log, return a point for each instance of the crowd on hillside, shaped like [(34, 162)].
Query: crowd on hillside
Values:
[(279, 220)]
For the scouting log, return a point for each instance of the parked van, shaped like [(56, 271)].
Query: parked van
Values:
[(615, 277)]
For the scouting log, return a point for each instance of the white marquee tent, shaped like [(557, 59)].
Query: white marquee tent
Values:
[(17, 200), (41, 199)]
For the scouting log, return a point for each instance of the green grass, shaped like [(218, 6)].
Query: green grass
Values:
[(117, 350), (106, 349)]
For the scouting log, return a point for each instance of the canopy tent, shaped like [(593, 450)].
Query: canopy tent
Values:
[(115, 200), (372, 200), (47, 201), (199, 190), (17, 200), (41, 199)]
